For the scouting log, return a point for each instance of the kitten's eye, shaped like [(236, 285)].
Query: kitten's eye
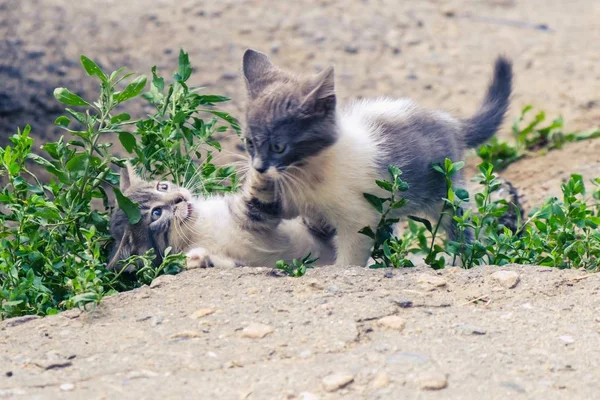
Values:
[(162, 187), (156, 213), (278, 148)]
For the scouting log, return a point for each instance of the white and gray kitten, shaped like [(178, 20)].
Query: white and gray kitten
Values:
[(324, 157), (224, 231)]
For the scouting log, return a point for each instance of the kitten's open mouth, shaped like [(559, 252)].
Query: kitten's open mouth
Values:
[(190, 209)]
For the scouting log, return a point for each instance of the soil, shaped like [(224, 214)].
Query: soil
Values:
[(466, 338)]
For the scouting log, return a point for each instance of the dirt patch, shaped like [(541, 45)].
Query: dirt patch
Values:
[(320, 336), (337, 332)]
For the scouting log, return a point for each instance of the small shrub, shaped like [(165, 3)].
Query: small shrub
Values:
[(531, 139), (297, 268), (54, 243)]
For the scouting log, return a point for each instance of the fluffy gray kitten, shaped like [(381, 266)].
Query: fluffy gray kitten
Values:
[(325, 157)]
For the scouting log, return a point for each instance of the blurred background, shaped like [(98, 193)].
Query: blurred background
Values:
[(439, 53)]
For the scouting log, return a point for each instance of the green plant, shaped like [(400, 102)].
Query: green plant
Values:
[(298, 267), (563, 234), (388, 250), (532, 139), (53, 238), (175, 134)]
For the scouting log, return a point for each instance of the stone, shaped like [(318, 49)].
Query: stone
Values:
[(141, 374), (186, 335), (392, 322), (156, 320), (507, 279), (67, 387), (431, 282), (308, 396), (567, 339), (433, 381), (336, 381), (380, 380), (202, 312), (350, 49), (161, 281), (466, 329), (256, 331)]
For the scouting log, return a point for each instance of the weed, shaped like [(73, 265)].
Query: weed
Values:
[(563, 234), (388, 251), (53, 243), (298, 267), (531, 139)]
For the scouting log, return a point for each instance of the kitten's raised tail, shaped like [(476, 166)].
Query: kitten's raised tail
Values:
[(484, 124)]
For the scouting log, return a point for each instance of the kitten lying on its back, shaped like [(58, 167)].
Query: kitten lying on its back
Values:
[(238, 229), (324, 159)]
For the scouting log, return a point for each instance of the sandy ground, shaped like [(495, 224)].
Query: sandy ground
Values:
[(198, 335), (541, 338)]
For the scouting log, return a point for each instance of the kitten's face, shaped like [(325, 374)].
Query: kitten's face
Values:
[(288, 119), (167, 218)]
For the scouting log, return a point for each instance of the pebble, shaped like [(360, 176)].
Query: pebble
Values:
[(186, 335), (567, 339), (380, 380), (141, 374), (203, 312), (392, 322), (434, 381), (507, 279), (67, 387), (467, 329), (350, 49), (336, 381), (256, 331), (156, 320), (229, 76), (161, 280), (430, 281), (308, 396)]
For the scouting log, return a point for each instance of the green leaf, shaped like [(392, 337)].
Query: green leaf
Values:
[(128, 141), (62, 121), (367, 231), (423, 221), (80, 117), (185, 69), (134, 88), (211, 99), (399, 204), (385, 185), (64, 96), (375, 201), (120, 118), (92, 68), (462, 194), (129, 207), (157, 81), (78, 163)]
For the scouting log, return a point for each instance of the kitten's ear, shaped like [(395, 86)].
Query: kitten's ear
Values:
[(321, 99), (259, 72), (128, 177)]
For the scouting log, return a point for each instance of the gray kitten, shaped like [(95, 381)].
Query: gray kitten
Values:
[(324, 157), (224, 231)]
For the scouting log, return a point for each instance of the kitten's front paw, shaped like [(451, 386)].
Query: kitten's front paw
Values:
[(201, 258), (198, 258)]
